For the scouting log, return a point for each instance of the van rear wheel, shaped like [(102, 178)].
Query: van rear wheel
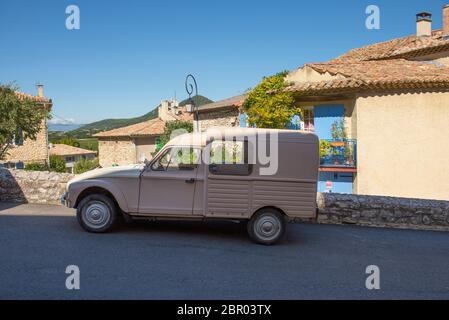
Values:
[(267, 226), (97, 213)]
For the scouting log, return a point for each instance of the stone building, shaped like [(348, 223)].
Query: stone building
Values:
[(70, 154), (137, 142), (31, 151), (224, 113)]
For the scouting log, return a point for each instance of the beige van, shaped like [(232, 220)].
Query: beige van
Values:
[(261, 176)]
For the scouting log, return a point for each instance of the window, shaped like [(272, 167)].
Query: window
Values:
[(70, 159), (308, 120), (177, 158), (229, 158)]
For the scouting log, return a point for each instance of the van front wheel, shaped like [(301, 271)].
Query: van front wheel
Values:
[(97, 213), (266, 226)]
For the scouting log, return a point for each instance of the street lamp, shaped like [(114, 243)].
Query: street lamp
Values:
[(191, 87)]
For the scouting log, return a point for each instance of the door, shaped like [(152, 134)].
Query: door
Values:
[(167, 186)]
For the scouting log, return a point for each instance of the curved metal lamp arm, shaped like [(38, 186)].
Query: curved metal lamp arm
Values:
[(191, 87)]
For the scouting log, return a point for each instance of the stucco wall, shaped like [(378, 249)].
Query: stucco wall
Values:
[(32, 150), (402, 144), (229, 117), (116, 151)]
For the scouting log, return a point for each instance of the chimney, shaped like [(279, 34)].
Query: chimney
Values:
[(163, 110), (40, 90), (446, 21), (424, 24)]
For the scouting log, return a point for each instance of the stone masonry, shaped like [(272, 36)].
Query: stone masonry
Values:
[(32, 151), (47, 187), (221, 118), (117, 151), (383, 211), (32, 186)]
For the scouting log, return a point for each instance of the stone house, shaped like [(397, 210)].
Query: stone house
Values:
[(223, 113), (70, 154), (137, 142), (31, 151)]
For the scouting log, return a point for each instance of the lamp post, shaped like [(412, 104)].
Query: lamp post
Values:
[(191, 86)]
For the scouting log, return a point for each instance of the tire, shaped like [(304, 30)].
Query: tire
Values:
[(266, 227), (97, 213)]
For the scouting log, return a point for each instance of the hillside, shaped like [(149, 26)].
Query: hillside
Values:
[(199, 100), (88, 130)]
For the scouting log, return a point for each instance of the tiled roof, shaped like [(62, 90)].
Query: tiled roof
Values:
[(142, 129), (382, 74), (381, 66), (22, 95), (66, 150), (236, 101), (146, 128), (405, 47)]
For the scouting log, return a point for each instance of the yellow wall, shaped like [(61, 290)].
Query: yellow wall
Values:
[(403, 142)]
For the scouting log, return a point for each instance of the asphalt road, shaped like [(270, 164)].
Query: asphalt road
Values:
[(190, 260)]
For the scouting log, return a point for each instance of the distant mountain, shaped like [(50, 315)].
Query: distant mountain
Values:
[(86, 131), (57, 127), (199, 100), (90, 129)]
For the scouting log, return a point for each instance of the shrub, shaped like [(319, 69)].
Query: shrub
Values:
[(268, 105), (36, 167), (57, 163), (84, 165)]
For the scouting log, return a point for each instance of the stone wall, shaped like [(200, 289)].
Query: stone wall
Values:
[(32, 151), (32, 186), (119, 151), (380, 211), (220, 118), (333, 208)]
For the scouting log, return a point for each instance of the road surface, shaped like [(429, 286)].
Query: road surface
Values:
[(192, 260)]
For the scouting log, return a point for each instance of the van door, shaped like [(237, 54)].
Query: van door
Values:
[(167, 186)]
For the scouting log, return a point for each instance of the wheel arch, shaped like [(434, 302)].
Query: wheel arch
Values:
[(269, 207), (97, 190)]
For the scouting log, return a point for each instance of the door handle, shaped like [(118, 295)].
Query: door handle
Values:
[(191, 180)]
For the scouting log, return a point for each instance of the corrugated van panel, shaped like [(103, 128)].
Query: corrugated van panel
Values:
[(297, 199)]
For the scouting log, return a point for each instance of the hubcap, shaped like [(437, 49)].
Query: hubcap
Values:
[(96, 215), (267, 227)]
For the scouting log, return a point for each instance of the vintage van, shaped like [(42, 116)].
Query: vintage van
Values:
[(264, 177)]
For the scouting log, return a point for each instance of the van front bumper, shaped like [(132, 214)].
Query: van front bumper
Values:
[(65, 200)]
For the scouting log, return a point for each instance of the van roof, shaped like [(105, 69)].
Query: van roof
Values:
[(199, 139)]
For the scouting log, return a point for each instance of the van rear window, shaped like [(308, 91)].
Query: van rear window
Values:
[(229, 158)]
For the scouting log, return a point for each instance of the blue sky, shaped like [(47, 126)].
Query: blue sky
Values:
[(130, 54)]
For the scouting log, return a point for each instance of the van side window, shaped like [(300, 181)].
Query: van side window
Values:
[(229, 158), (177, 158)]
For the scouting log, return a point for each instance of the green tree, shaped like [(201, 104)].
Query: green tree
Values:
[(84, 165), (172, 127), (57, 163), (68, 141), (20, 119), (268, 105)]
